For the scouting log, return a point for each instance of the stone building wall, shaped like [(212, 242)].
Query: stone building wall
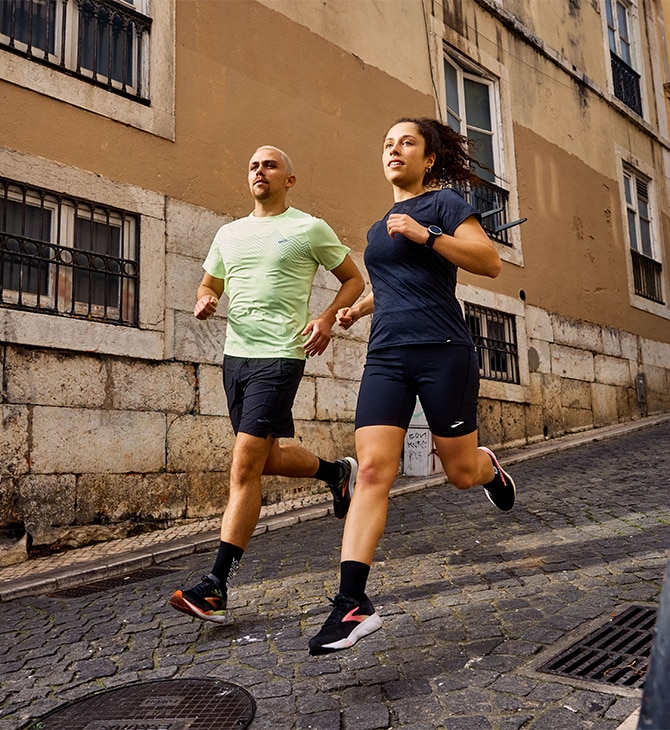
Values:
[(98, 446)]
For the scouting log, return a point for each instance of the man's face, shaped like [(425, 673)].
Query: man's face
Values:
[(268, 177)]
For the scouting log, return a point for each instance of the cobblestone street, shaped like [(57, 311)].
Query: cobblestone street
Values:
[(472, 599)]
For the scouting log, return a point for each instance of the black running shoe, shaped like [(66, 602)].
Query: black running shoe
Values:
[(502, 490), (205, 601), (348, 622), (343, 489)]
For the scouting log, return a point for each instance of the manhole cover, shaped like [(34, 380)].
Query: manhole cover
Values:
[(116, 581), (616, 653), (176, 704)]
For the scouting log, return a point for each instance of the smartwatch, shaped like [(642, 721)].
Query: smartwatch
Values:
[(433, 233)]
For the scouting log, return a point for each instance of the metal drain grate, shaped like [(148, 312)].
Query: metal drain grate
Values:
[(104, 584), (178, 704), (616, 653)]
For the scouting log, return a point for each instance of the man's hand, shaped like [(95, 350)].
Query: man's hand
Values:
[(319, 332), (205, 307)]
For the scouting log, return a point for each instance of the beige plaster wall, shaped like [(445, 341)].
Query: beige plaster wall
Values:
[(369, 31), (329, 113)]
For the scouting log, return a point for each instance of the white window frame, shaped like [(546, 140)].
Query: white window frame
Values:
[(636, 45), (34, 328), (611, 10), (632, 198), (627, 164), (158, 69), (46, 298), (495, 132), (497, 389), (489, 69), (128, 235), (61, 278)]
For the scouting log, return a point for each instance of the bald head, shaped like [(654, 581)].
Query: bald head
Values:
[(288, 163)]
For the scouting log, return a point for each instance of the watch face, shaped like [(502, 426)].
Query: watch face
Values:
[(435, 230)]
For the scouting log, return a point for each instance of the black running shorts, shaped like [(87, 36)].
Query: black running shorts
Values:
[(260, 394), (445, 377)]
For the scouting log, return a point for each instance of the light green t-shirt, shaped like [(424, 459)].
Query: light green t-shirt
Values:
[(268, 266)]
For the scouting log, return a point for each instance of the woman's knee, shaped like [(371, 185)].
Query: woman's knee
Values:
[(462, 476), (374, 474)]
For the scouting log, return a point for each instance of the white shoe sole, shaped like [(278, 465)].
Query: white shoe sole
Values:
[(365, 628)]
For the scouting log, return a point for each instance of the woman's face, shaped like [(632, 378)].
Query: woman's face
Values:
[(404, 157)]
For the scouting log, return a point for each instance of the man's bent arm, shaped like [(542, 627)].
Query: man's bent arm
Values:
[(320, 328), (352, 287), (207, 296)]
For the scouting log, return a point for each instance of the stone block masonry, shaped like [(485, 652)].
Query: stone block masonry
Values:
[(96, 445)]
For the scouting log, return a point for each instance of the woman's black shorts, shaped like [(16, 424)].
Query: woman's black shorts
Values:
[(445, 377)]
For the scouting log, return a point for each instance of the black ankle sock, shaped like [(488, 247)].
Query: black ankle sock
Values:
[(227, 562), (353, 579), (328, 471)]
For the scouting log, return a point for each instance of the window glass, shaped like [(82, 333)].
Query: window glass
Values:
[(626, 187), (482, 151), (32, 22), (107, 45), (477, 104), (92, 282), (24, 227), (632, 233), (453, 105)]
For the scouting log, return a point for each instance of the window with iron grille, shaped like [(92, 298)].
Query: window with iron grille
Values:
[(625, 79), (647, 271), (472, 103), (67, 256), (494, 334), (102, 41)]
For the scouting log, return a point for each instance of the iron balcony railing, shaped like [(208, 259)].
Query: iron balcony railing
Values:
[(647, 277), (492, 202), (626, 82)]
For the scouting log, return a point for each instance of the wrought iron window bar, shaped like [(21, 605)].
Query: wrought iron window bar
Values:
[(494, 335), (491, 201), (108, 50), (647, 277), (626, 81), (67, 256)]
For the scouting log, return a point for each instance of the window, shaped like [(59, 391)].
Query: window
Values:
[(647, 270), (625, 79), (471, 111), (67, 256), (494, 334), (102, 41)]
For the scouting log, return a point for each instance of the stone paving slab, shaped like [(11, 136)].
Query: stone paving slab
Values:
[(472, 600)]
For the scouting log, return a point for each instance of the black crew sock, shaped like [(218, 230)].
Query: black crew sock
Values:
[(353, 579), (226, 564), (328, 472)]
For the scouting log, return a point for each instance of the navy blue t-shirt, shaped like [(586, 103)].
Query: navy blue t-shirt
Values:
[(414, 287)]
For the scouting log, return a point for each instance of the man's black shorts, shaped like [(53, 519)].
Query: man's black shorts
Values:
[(445, 377), (260, 394)]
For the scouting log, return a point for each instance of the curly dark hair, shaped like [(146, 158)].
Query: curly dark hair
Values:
[(453, 162)]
